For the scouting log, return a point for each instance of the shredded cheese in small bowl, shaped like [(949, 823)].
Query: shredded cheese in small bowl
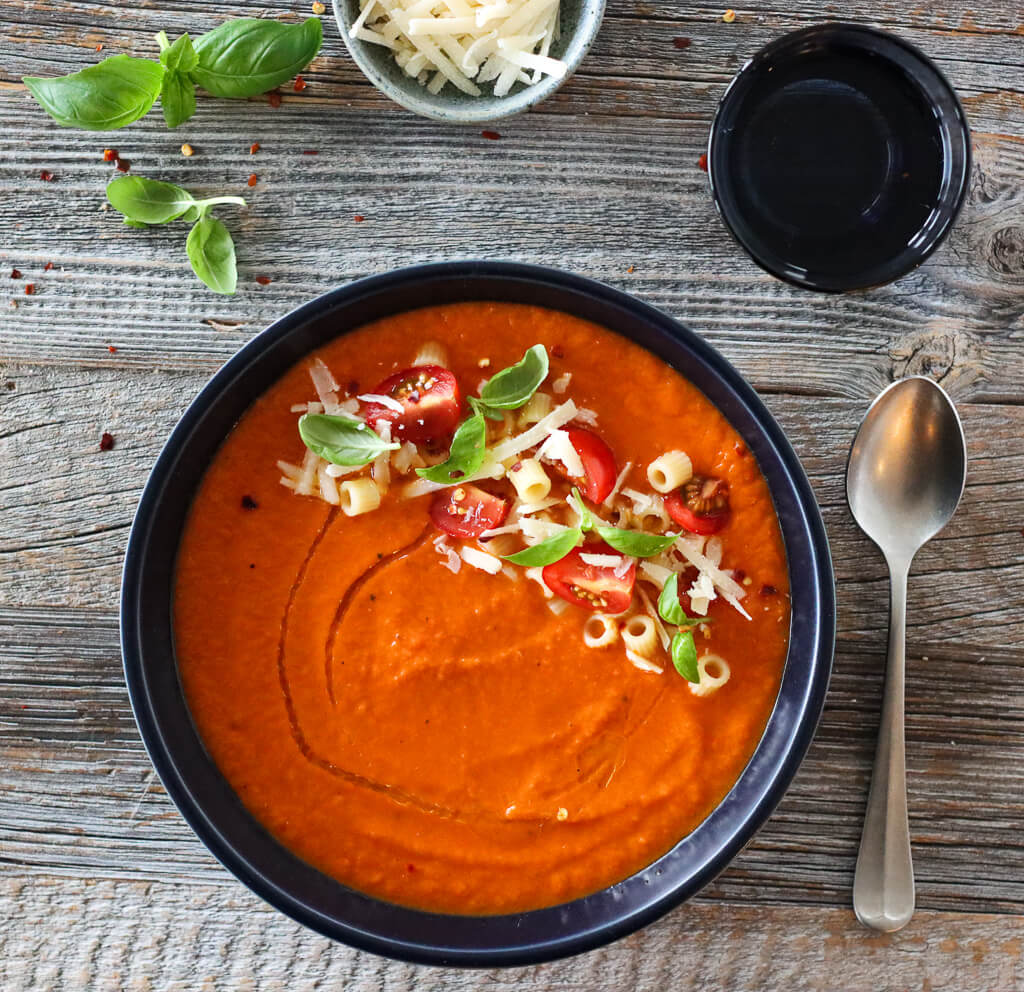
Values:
[(468, 61)]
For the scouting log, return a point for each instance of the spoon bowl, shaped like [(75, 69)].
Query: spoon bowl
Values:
[(904, 479)]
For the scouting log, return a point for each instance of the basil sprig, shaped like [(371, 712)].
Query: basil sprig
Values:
[(548, 551), (145, 202), (102, 97), (512, 387), (239, 59), (683, 648), (466, 454), (342, 440)]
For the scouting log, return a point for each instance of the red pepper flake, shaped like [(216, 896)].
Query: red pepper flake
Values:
[(123, 165), (490, 135), (99, 48), (702, 163), (300, 84), (359, 218), (106, 442), (631, 269), (741, 449), (767, 590), (353, 387), (253, 179), (30, 289), (46, 175), (254, 148), (248, 503), (48, 266), (111, 349), (681, 42), (738, 574), (274, 99), (110, 155), (410, 867), (263, 280), (518, 467), (558, 351), (310, 151), (15, 273)]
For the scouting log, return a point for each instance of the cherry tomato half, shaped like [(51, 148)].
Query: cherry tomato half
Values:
[(430, 402), (700, 505), (466, 511), (599, 470), (591, 587)]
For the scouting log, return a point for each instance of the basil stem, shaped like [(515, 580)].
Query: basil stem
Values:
[(103, 97), (513, 386), (549, 551), (341, 440), (249, 56), (465, 456), (212, 254), (684, 655)]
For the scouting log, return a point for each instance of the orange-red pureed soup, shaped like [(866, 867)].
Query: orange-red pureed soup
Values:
[(446, 739)]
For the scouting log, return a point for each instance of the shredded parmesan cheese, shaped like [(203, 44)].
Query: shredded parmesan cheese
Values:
[(658, 574), (561, 384), (558, 448), (732, 592), (381, 400), (604, 561), (638, 661), (559, 417), (325, 386), (618, 484), (481, 559)]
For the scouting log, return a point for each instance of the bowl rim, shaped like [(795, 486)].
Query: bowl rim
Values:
[(275, 874), (953, 194), (430, 106)]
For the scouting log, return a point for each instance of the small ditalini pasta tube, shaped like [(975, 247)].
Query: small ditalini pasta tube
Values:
[(359, 496), (714, 673), (669, 471), (536, 408), (531, 481), (600, 630), (328, 485), (640, 635), (431, 353)]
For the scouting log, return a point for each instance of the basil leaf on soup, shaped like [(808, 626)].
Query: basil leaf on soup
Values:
[(549, 551), (341, 440), (179, 57), (634, 542), (251, 55), (480, 407), (148, 201), (177, 98), (586, 517), (212, 254), (102, 97), (512, 387), (669, 607), (466, 454), (684, 655)]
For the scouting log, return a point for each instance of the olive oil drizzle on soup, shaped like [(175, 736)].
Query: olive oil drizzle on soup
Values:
[(440, 736)]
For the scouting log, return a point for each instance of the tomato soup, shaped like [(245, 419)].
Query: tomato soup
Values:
[(461, 720)]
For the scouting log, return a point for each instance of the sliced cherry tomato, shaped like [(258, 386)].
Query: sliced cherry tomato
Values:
[(430, 402), (466, 511), (700, 505), (591, 587), (599, 470)]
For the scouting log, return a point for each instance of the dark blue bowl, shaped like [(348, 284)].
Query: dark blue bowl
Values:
[(214, 811)]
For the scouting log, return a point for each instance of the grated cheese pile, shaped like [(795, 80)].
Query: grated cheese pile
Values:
[(465, 42)]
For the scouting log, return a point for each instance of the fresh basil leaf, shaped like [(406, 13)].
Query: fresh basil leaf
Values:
[(549, 551), (212, 254), (586, 517), (251, 55), (179, 57), (684, 655), (177, 98), (102, 97), (465, 456), (634, 542), (148, 200), (341, 440), (512, 387), (669, 607)]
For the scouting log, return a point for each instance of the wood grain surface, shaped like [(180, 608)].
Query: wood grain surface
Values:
[(102, 884)]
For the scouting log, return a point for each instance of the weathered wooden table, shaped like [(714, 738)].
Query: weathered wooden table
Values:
[(103, 886)]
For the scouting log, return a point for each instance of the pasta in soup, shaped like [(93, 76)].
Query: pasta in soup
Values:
[(481, 608)]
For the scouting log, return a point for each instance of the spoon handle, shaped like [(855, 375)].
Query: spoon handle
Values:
[(883, 886)]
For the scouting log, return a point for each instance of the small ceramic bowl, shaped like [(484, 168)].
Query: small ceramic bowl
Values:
[(579, 21)]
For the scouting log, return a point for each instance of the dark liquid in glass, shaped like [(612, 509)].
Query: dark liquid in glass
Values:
[(834, 160)]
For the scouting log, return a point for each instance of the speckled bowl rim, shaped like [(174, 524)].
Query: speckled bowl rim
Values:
[(284, 880), (517, 102)]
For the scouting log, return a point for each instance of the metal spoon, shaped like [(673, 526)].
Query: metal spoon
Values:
[(904, 480)]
